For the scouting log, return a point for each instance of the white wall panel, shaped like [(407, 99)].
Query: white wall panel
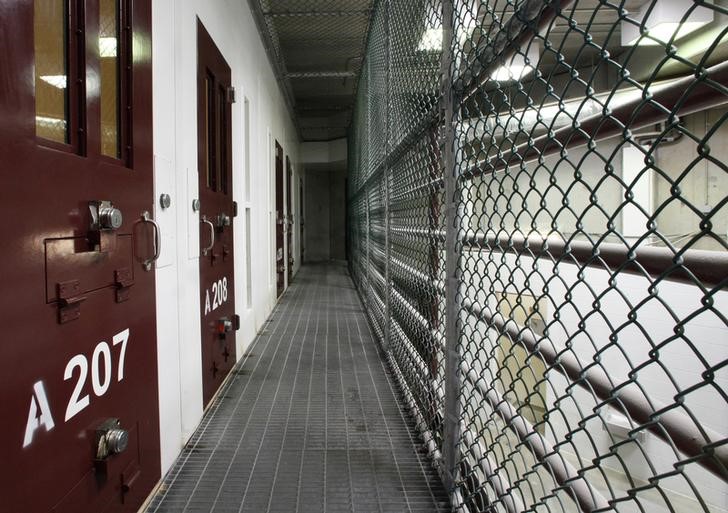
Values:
[(231, 26)]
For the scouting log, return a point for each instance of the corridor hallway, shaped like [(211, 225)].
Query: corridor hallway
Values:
[(309, 420)]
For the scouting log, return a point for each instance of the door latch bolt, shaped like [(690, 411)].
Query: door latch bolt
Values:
[(223, 220), (224, 325), (104, 216), (111, 439)]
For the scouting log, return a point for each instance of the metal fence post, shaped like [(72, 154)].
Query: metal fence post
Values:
[(368, 238), (451, 408), (388, 285), (365, 191)]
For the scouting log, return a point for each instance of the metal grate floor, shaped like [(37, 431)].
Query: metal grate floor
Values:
[(309, 421)]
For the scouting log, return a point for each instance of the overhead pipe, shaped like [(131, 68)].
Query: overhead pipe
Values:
[(684, 96), (710, 268), (489, 468), (699, 444), (588, 498)]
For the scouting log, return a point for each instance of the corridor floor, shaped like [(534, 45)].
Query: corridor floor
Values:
[(309, 420)]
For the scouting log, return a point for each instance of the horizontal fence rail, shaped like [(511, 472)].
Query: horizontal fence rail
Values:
[(538, 228)]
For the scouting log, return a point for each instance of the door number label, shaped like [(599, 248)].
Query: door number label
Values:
[(77, 368), (219, 295)]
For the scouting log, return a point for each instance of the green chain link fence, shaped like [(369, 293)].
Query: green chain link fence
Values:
[(538, 209)]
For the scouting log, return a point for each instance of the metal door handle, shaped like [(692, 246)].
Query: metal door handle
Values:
[(146, 218), (204, 219)]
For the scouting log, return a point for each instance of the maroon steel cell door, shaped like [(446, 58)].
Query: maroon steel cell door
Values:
[(289, 219), (78, 366), (300, 218), (280, 223), (217, 210)]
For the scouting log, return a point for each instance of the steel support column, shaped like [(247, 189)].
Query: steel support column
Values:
[(451, 409)]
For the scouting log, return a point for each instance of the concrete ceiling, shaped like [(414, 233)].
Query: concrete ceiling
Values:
[(317, 48)]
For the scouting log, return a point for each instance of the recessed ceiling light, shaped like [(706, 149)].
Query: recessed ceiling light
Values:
[(663, 21)]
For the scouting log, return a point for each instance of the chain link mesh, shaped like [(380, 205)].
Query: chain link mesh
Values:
[(583, 142)]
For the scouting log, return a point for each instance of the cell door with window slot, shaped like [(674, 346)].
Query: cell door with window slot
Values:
[(217, 210), (280, 224), (300, 218), (78, 357), (289, 219)]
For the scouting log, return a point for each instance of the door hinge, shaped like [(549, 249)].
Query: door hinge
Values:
[(123, 280), (236, 322), (69, 302), (231, 94), (235, 209)]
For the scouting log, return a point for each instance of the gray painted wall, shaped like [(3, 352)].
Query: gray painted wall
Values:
[(325, 215), (337, 216)]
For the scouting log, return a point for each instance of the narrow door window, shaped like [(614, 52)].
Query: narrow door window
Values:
[(222, 121), (110, 77), (210, 135), (51, 70)]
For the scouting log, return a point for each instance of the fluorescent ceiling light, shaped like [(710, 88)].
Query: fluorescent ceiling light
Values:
[(431, 40), (58, 81), (662, 33), (107, 47), (518, 66), (667, 18), (554, 115), (511, 72), (49, 122), (551, 116)]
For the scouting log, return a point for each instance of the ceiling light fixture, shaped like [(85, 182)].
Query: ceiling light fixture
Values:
[(52, 123), (107, 47), (662, 20), (518, 66), (432, 37), (58, 81), (431, 40)]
